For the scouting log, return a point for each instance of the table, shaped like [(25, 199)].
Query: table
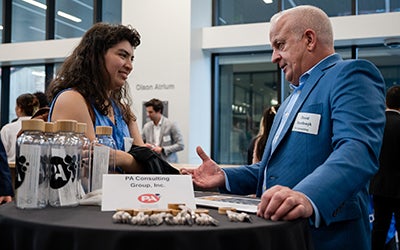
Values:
[(86, 228)]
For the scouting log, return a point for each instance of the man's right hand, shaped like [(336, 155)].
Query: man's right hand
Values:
[(208, 174)]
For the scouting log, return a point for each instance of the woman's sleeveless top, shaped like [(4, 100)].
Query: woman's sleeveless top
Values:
[(120, 128)]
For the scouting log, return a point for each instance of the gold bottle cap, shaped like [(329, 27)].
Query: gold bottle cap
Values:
[(103, 130), (81, 128), (66, 125), (32, 125), (50, 127)]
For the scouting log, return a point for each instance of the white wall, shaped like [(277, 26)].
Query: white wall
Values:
[(36, 52), (170, 56), (200, 82)]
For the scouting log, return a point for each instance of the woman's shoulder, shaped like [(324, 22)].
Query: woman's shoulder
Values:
[(70, 104), (69, 96), (69, 92)]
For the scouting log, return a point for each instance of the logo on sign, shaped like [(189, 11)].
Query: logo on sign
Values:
[(149, 198)]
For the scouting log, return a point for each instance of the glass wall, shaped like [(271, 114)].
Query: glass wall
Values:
[(73, 18), (378, 6), (228, 12), (332, 8), (112, 11), (244, 11), (27, 79), (386, 59), (246, 84), (28, 21)]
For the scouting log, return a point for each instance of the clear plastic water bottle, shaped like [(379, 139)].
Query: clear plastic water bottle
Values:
[(50, 131), (102, 156), (64, 164), (31, 182), (84, 177)]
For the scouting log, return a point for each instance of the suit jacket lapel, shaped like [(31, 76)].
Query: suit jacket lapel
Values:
[(310, 83)]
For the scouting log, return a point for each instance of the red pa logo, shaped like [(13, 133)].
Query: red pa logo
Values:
[(149, 198)]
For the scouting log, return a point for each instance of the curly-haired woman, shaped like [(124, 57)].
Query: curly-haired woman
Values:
[(91, 87)]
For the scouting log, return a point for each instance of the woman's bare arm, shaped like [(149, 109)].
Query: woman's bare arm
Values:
[(71, 105)]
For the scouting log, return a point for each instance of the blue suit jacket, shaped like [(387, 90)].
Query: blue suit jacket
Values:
[(334, 166)]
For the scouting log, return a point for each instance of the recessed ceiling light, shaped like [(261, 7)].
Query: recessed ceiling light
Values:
[(37, 4), (68, 16)]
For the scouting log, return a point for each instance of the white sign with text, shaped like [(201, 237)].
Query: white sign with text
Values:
[(146, 191)]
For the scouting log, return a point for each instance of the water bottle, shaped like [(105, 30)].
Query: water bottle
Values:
[(64, 165), (102, 154), (50, 131), (31, 182), (84, 177)]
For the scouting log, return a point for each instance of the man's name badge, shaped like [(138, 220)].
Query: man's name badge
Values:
[(146, 191), (307, 123)]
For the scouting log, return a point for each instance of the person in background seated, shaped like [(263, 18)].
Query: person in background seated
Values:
[(385, 185), (160, 134), (325, 140), (6, 189), (90, 87), (26, 106)]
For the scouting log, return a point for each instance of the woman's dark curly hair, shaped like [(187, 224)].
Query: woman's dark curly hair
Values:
[(85, 69)]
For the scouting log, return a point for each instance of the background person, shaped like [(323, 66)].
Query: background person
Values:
[(257, 145), (42, 98), (385, 185), (26, 106), (43, 111), (91, 87), (6, 189), (160, 134), (325, 139)]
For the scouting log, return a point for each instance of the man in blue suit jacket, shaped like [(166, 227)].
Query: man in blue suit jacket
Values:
[(324, 143)]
